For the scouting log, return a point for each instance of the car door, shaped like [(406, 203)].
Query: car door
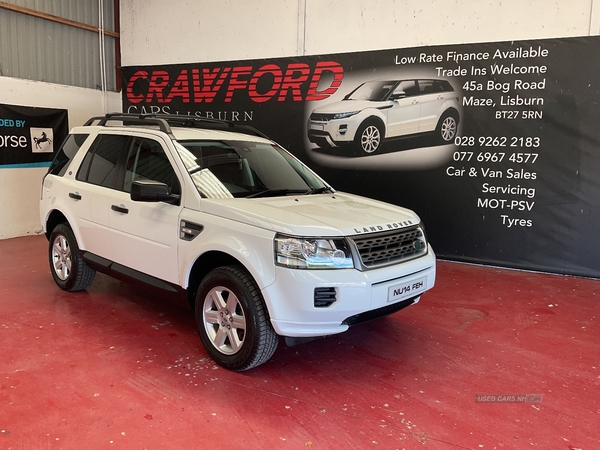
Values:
[(405, 113), (431, 99), (144, 235), (89, 194)]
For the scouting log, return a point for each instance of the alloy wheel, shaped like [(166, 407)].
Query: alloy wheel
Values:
[(224, 320), (61, 257)]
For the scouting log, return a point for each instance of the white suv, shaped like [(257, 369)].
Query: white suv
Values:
[(255, 242), (387, 109)]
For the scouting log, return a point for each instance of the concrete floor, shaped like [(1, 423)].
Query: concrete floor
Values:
[(115, 368)]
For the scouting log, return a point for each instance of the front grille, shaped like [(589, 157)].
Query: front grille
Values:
[(321, 117), (391, 246)]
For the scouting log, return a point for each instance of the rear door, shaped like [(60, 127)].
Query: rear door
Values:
[(432, 100), (89, 193)]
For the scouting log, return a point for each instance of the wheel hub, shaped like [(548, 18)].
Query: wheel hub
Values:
[(370, 139), (224, 324), (226, 319), (61, 256)]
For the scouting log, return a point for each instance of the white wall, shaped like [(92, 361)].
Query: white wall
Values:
[(219, 30), (20, 188), (193, 31)]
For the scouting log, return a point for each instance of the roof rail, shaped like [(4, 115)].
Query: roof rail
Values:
[(140, 119), (165, 121)]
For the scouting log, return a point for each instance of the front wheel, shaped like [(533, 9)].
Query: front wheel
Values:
[(69, 270), (369, 137), (233, 321)]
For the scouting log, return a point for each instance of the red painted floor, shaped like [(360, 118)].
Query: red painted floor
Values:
[(115, 368)]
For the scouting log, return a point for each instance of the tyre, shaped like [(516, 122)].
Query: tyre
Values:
[(69, 270), (233, 321), (369, 137), (447, 127)]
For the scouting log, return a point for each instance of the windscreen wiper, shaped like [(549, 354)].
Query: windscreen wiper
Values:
[(320, 190)]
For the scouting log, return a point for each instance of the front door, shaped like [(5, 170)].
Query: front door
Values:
[(405, 113), (144, 235)]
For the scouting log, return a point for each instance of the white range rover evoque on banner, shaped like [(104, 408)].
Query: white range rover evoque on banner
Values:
[(378, 110), (256, 243)]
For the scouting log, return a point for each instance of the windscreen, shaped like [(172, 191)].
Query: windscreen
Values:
[(373, 90), (228, 169)]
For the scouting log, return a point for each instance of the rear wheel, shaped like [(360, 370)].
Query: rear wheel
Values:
[(233, 321), (369, 137), (69, 270), (447, 127)]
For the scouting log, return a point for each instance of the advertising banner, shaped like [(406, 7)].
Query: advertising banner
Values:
[(29, 136), (495, 145)]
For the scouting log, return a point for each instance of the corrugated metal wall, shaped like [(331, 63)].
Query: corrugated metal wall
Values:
[(37, 49)]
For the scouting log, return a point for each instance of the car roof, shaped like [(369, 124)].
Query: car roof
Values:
[(185, 134), (179, 133)]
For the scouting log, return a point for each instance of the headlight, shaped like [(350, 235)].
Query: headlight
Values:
[(312, 253), (345, 114)]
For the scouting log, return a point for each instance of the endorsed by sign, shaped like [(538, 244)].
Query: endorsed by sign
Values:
[(29, 136)]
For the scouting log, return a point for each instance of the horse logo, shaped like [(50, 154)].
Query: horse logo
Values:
[(41, 140)]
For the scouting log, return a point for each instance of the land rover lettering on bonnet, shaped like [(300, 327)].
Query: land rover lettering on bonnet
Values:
[(218, 215)]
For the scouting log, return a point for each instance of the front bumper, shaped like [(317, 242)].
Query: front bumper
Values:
[(290, 299), (334, 132)]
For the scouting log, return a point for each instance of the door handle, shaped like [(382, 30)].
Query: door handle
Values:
[(120, 209), (75, 195)]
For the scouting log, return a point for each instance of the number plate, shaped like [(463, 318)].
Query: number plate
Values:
[(317, 126), (406, 290)]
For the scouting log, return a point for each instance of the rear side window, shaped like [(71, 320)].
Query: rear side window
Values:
[(67, 152), (100, 164), (426, 86), (444, 86)]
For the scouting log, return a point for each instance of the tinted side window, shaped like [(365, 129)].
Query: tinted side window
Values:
[(66, 153), (409, 87), (147, 160), (427, 87), (100, 164), (444, 86)]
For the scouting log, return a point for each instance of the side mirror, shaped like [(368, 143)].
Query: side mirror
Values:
[(398, 95), (152, 191)]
